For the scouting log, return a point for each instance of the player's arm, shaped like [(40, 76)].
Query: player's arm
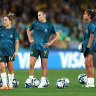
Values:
[(53, 40), (29, 36), (16, 48), (89, 44), (90, 40), (29, 32), (91, 30)]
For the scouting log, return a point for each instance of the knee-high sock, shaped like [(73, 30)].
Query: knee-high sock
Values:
[(4, 78)]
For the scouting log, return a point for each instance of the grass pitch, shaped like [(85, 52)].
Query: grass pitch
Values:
[(74, 89)]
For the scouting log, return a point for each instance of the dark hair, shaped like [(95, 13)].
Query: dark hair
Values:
[(91, 12), (11, 16), (44, 11)]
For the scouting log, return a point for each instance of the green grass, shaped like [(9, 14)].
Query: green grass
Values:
[(74, 89)]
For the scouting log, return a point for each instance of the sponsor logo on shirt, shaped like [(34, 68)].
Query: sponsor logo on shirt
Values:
[(2, 35), (37, 28)]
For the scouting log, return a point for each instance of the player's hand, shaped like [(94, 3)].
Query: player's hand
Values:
[(15, 54), (47, 44), (31, 41), (86, 52)]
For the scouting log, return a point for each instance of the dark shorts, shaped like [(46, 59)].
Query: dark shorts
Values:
[(91, 52), (6, 58), (36, 53)]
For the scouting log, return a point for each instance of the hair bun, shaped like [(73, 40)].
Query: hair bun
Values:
[(11, 14)]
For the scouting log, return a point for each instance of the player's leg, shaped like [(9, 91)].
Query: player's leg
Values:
[(89, 70), (44, 66), (10, 70), (3, 72), (44, 57), (31, 66), (33, 57), (10, 73)]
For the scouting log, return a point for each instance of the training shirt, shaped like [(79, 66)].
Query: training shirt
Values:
[(89, 29), (7, 41), (41, 34)]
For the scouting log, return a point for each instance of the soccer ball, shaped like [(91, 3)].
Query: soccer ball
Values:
[(80, 47), (29, 83), (47, 82), (1, 83), (82, 78), (67, 82), (15, 82), (60, 83), (36, 82)]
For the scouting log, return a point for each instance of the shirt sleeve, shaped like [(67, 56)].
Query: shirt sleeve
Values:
[(32, 26), (92, 28), (53, 29), (16, 35)]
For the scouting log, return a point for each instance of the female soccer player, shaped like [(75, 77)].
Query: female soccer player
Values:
[(9, 44), (89, 45), (42, 29)]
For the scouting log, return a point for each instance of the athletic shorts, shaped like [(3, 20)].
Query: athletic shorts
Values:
[(91, 52), (6, 58), (36, 53)]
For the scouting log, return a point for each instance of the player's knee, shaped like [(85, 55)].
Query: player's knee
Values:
[(2, 67), (86, 63), (31, 65), (44, 67)]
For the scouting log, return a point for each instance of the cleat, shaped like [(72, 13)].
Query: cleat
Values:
[(10, 87), (4, 87), (90, 85), (42, 84)]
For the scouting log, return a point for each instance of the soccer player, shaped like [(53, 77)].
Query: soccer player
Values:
[(42, 29), (9, 44), (89, 45)]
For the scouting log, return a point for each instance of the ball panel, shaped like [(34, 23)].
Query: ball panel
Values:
[(82, 78)]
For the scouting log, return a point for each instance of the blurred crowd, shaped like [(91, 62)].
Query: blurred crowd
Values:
[(66, 15)]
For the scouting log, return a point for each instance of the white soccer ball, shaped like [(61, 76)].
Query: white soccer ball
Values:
[(1, 83), (15, 82), (67, 82), (80, 46), (60, 83), (36, 82), (29, 83), (47, 82), (82, 78)]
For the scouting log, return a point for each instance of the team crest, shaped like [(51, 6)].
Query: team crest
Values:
[(45, 30), (86, 31), (11, 36)]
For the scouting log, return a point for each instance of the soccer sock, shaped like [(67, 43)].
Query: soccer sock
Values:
[(92, 80), (4, 78), (88, 81), (11, 77), (31, 77)]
